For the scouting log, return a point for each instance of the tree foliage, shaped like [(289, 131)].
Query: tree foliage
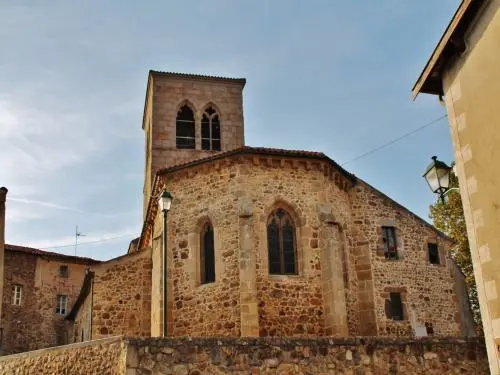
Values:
[(449, 218)]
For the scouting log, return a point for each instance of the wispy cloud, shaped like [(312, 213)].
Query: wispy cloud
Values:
[(45, 204)]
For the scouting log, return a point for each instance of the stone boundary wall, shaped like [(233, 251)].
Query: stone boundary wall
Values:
[(357, 356), (202, 356), (99, 357)]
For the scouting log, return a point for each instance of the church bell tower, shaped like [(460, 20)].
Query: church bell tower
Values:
[(187, 117)]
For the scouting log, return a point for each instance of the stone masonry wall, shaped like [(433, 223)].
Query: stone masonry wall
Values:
[(100, 357), (427, 290), (282, 305), (34, 324), (82, 325), (344, 281), (122, 296), (165, 96), (318, 356), (19, 332), (300, 356)]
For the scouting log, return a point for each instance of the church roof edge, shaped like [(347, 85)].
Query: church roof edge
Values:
[(259, 151), (197, 76)]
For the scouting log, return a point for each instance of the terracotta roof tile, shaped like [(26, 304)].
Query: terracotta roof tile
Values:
[(49, 254), (196, 76)]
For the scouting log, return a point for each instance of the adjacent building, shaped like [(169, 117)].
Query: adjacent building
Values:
[(464, 72), (39, 289)]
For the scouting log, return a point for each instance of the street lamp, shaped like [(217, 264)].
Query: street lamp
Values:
[(437, 176), (165, 202)]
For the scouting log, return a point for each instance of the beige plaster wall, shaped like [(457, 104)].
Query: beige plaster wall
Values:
[(471, 87)]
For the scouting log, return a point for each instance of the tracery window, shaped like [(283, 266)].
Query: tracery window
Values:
[(207, 255), (184, 126), (210, 130), (281, 243)]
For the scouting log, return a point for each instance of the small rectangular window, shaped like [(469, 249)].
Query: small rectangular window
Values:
[(63, 271), (396, 306), (18, 295), (433, 253), (62, 304), (390, 243)]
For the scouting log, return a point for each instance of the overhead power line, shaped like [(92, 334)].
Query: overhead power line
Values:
[(133, 235), (406, 135)]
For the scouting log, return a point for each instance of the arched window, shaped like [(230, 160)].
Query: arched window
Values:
[(207, 255), (184, 127), (281, 243), (210, 130)]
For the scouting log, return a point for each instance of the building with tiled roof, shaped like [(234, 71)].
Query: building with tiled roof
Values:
[(39, 288), (263, 241)]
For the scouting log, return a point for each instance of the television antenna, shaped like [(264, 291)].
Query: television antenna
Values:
[(77, 235)]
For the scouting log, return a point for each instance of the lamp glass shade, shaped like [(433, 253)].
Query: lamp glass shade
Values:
[(432, 179), (437, 176), (165, 201)]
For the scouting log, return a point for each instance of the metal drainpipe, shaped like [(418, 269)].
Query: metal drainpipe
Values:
[(165, 212)]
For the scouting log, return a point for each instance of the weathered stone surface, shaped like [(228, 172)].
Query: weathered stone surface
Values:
[(121, 298), (106, 357), (35, 324), (343, 282), (196, 356), (314, 356)]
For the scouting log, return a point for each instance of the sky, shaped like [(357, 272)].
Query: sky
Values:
[(322, 75)]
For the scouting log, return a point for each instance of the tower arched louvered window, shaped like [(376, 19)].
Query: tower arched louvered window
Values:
[(207, 255), (210, 130), (184, 127), (281, 243)]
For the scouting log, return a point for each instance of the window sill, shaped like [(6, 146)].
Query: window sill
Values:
[(207, 285), (284, 277)]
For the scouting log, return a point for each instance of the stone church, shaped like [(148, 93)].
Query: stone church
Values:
[(261, 241)]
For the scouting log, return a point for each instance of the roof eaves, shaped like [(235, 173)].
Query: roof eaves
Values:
[(200, 77), (259, 151), (49, 254), (429, 80)]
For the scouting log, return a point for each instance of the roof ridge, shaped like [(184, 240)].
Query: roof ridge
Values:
[(197, 76), (39, 252)]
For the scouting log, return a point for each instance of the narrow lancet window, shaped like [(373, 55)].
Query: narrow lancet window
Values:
[(184, 126), (207, 254), (281, 243), (210, 130)]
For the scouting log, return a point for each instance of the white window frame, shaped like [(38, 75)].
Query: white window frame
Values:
[(17, 298), (62, 304)]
